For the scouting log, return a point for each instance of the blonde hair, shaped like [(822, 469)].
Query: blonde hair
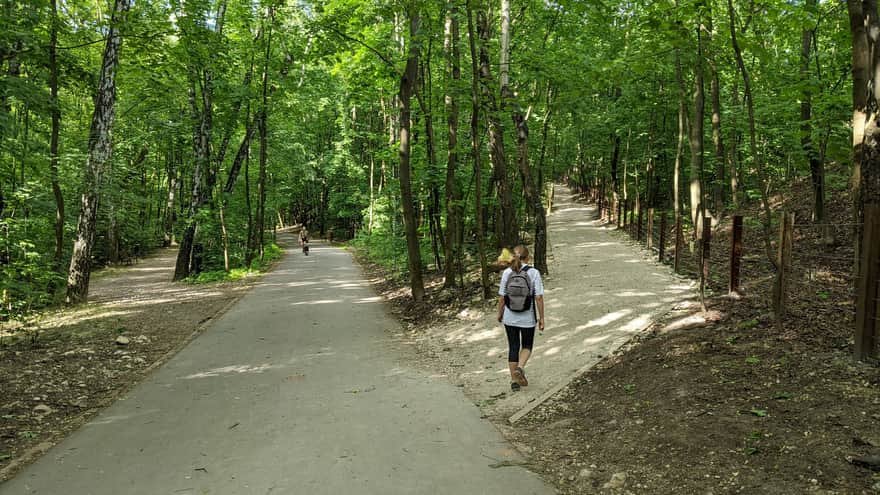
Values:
[(520, 254)]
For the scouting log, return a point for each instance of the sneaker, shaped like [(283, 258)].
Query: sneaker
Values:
[(514, 386), (520, 376)]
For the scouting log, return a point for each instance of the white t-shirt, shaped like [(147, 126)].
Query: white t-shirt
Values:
[(523, 319)]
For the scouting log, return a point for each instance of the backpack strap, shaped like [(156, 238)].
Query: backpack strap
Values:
[(532, 286)]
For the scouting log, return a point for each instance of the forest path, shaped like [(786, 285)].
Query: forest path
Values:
[(600, 292), (301, 387)]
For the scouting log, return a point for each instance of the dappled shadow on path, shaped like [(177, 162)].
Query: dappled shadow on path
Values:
[(599, 293)]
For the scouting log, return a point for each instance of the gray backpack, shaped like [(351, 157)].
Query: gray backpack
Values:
[(519, 291)]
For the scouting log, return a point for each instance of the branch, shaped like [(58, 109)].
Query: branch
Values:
[(379, 54)]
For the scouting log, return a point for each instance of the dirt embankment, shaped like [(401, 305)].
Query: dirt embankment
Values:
[(718, 402)]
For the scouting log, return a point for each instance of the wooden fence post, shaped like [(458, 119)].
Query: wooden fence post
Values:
[(679, 242), (649, 237), (639, 229), (662, 246), (632, 213), (866, 298), (704, 259), (735, 255), (783, 265)]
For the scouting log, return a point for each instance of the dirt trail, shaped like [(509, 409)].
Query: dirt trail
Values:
[(600, 292)]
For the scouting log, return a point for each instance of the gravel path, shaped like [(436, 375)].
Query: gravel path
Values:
[(601, 291)]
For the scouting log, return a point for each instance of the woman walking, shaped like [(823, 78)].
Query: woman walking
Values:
[(520, 309)]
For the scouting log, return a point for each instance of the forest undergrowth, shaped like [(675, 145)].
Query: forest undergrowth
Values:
[(726, 401)]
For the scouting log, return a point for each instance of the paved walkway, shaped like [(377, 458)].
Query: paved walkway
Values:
[(299, 389), (602, 290)]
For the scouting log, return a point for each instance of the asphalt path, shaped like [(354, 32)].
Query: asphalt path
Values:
[(300, 388)]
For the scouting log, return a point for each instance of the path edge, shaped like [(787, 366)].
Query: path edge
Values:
[(39, 450), (531, 406)]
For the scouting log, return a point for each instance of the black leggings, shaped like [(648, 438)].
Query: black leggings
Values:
[(513, 333)]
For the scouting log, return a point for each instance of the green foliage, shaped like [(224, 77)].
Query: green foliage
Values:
[(271, 253), (588, 72)]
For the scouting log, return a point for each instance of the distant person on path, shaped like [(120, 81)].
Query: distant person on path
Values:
[(304, 240), (520, 309)]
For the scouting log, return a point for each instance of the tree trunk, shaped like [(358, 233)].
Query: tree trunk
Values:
[(759, 165), (53, 140), (475, 149), (615, 176), (696, 143), (453, 196), (533, 195), (424, 98), (187, 261), (407, 86), (170, 210), (249, 249), (100, 149), (264, 141), (861, 52), (650, 163), (718, 196), (508, 228), (817, 168)]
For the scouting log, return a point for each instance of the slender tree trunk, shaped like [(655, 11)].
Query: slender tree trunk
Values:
[(817, 168), (650, 163), (53, 140), (100, 149), (475, 149), (696, 143), (616, 190), (225, 236), (733, 154), (679, 150), (545, 128), (264, 142), (718, 196), (407, 86), (170, 210), (424, 98), (453, 210), (759, 165), (249, 249), (508, 235)]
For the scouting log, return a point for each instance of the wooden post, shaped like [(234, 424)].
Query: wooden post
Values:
[(704, 259), (632, 213), (649, 237), (621, 214), (866, 298), (735, 255), (639, 228), (783, 265), (662, 236), (679, 242)]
